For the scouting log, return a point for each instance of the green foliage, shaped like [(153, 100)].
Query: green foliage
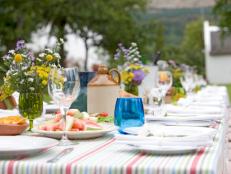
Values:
[(229, 90), (112, 21), (190, 51), (192, 45), (223, 10)]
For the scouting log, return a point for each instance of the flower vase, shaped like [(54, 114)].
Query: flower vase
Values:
[(30, 106), (132, 89)]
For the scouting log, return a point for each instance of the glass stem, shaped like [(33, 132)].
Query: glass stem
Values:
[(64, 113), (30, 124)]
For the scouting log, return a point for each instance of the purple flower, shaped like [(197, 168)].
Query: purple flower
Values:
[(31, 56), (20, 44), (117, 54), (138, 76)]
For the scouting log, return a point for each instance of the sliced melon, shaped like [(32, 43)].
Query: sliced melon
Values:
[(93, 126), (69, 123)]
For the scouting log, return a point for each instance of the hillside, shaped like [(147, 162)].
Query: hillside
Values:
[(173, 4)]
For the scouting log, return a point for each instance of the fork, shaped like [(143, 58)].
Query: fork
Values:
[(60, 155)]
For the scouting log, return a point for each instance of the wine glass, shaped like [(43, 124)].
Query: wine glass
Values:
[(164, 82), (156, 100), (63, 87), (188, 82)]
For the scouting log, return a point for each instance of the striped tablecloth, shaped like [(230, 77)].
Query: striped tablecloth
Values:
[(105, 156)]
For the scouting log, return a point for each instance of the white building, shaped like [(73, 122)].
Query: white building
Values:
[(217, 55)]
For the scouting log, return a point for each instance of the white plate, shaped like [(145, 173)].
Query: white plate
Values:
[(184, 118), (182, 123), (165, 150), (171, 131), (77, 135), (16, 146)]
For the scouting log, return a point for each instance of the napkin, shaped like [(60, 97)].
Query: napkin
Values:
[(193, 110), (5, 113), (170, 138), (176, 141), (182, 118)]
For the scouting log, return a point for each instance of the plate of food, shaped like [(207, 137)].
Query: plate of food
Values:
[(79, 125), (12, 125)]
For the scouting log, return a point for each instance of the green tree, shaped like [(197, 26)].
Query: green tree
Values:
[(113, 21), (192, 46), (223, 10), (191, 49)]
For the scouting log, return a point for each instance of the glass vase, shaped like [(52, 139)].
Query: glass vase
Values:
[(30, 106), (132, 89)]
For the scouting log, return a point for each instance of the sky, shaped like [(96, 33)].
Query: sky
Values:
[(74, 47)]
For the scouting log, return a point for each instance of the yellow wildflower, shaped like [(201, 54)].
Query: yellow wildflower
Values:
[(49, 57), (18, 58), (127, 77), (44, 82)]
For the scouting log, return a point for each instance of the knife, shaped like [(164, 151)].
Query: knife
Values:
[(60, 155)]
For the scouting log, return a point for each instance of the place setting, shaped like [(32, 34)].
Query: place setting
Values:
[(63, 117), (34, 134)]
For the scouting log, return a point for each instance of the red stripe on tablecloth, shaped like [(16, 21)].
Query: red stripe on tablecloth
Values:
[(134, 161), (10, 167), (196, 160), (11, 163), (68, 168)]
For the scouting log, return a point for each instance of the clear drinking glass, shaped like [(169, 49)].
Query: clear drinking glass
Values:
[(63, 87), (156, 101), (164, 83), (188, 83)]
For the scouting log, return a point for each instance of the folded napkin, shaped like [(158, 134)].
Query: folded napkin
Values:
[(5, 113), (204, 138), (185, 118), (193, 110), (50, 108), (176, 141)]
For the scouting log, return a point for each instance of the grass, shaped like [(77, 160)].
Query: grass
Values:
[(229, 91)]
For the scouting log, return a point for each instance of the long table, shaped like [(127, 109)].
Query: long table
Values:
[(105, 156)]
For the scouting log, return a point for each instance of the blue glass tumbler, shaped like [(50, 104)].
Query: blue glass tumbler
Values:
[(129, 112)]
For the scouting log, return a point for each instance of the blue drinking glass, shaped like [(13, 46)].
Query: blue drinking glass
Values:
[(129, 112)]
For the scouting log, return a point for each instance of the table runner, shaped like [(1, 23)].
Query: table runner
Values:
[(105, 156)]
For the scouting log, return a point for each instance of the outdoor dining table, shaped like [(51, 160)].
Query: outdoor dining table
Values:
[(105, 156)]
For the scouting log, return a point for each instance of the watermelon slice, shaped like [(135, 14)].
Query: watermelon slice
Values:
[(91, 125)]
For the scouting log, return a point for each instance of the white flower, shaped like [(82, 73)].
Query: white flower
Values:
[(133, 44), (26, 74), (22, 81), (41, 54), (31, 88), (61, 40), (24, 68), (30, 79), (57, 55), (11, 51), (49, 50)]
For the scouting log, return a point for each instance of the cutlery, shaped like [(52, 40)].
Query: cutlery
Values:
[(60, 155)]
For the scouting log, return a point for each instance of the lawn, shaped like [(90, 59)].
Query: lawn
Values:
[(229, 91)]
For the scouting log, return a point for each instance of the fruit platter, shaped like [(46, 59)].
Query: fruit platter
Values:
[(79, 125)]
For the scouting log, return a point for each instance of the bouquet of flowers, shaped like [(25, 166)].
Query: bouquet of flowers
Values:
[(26, 72), (177, 90), (28, 75), (133, 72)]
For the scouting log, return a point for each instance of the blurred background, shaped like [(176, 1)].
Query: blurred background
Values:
[(194, 32)]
